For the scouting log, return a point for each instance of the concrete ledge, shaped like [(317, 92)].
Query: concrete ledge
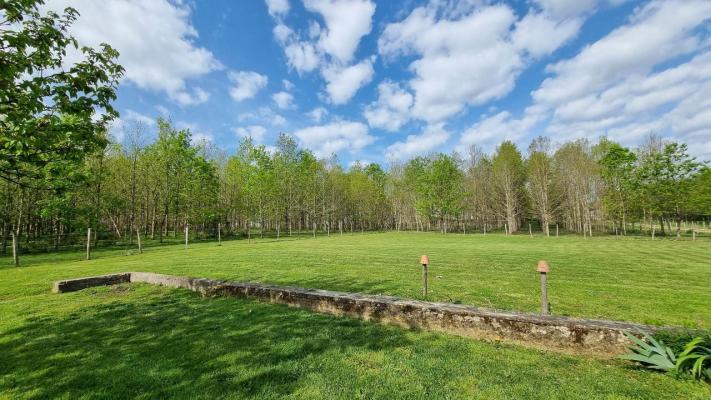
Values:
[(571, 335), (73, 285)]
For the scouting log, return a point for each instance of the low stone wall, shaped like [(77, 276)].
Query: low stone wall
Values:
[(572, 335), (72, 285)]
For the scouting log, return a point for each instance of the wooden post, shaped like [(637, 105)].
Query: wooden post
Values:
[(219, 234), (424, 260), (506, 229), (314, 230), (693, 234), (138, 238), (186, 236), (556, 230), (15, 250), (543, 270), (530, 233), (88, 244)]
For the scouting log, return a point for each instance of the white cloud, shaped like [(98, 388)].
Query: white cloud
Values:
[(392, 109), (347, 21), (283, 100), (331, 49), (138, 117), (317, 114), (163, 110), (246, 84), (334, 137), (197, 135), (278, 7), (155, 39), (567, 8), (492, 130), (471, 59), (658, 32), (288, 85), (300, 55), (625, 85), (185, 98), (343, 83), (262, 115), (256, 132), (423, 143), (540, 35)]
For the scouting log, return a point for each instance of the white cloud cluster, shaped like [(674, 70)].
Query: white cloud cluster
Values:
[(246, 84), (334, 137), (155, 40), (331, 48), (344, 82), (391, 110), (472, 58), (283, 100), (625, 85)]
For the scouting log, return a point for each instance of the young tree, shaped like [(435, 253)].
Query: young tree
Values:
[(540, 181), (509, 175), (619, 173), (667, 178)]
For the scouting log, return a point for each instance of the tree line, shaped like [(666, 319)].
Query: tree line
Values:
[(60, 174), (158, 189)]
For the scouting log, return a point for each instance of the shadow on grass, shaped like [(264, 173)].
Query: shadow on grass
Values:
[(163, 343)]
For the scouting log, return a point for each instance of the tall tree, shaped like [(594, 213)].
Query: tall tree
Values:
[(509, 174), (540, 179), (619, 173)]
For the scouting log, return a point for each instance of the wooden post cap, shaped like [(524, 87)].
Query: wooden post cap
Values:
[(424, 260), (542, 267)]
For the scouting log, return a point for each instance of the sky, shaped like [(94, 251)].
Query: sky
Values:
[(381, 81)]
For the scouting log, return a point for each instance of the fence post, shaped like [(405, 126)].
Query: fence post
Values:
[(88, 243), (219, 234), (186, 236), (543, 270), (138, 238), (424, 260), (530, 233), (15, 250), (556, 230)]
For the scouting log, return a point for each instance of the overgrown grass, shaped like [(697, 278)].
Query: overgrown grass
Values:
[(152, 342)]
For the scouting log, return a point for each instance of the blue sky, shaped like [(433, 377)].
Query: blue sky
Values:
[(387, 80)]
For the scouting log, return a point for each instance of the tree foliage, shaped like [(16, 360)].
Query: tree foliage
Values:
[(52, 114)]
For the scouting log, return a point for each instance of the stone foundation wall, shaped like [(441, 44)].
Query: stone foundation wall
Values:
[(571, 335)]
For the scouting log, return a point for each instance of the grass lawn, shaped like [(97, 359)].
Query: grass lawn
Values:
[(153, 342)]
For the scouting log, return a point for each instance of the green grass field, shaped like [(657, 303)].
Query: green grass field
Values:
[(151, 342)]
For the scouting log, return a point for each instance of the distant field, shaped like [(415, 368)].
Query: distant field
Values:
[(157, 342)]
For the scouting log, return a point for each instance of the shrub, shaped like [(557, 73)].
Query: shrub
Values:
[(650, 353), (696, 358)]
